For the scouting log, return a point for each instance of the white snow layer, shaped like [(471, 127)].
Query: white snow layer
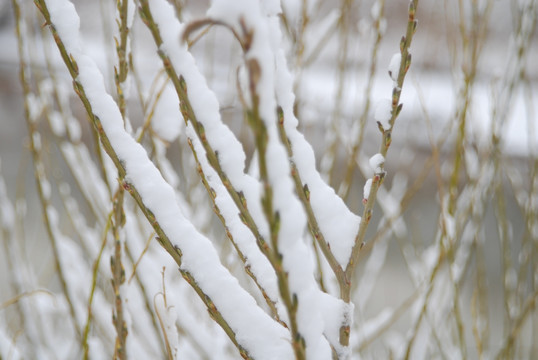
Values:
[(242, 236), (376, 162), (260, 335), (297, 259), (366, 189), (66, 22), (167, 121), (337, 223)]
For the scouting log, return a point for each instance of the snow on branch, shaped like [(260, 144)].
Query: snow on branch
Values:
[(253, 330), (337, 223), (260, 27)]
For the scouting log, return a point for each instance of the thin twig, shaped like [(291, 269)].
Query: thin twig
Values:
[(405, 62)]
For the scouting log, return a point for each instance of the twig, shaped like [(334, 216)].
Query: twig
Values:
[(95, 269), (118, 218), (405, 62), (146, 247), (273, 217), (20, 296), (118, 276), (270, 302), (169, 351), (345, 185), (303, 193)]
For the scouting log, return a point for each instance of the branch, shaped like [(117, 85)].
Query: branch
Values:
[(194, 254)]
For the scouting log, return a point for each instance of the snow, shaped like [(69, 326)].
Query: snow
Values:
[(74, 130), (57, 123), (375, 11), (472, 162), (46, 189), (167, 120), (337, 223), (430, 257), (383, 112), (242, 236), (35, 107), (292, 9), (8, 349), (372, 326), (206, 107), (68, 26), (254, 329), (437, 105), (366, 189), (449, 224), (297, 260), (168, 316), (332, 213), (376, 162), (394, 66)]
